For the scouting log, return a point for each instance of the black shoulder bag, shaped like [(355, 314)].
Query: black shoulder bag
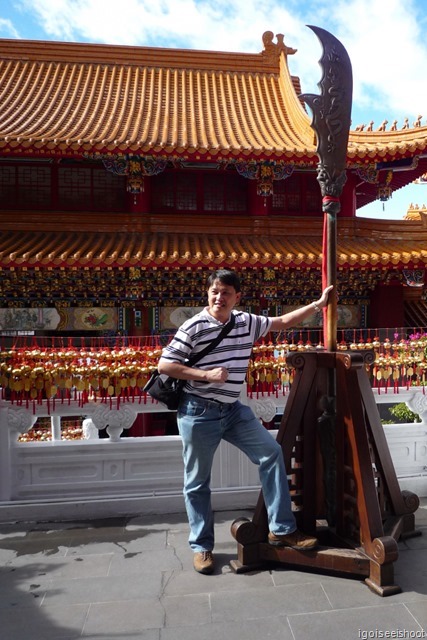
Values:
[(168, 390)]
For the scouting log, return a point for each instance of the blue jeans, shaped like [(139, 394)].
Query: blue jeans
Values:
[(202, 424)]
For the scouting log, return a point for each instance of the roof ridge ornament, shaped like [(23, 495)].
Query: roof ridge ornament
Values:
[(272, 50), (393, 127)]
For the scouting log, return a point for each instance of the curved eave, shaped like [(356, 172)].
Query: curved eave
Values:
[(64, 107), (94, 250), (53, 250), (191, 155), (67, 99), (386, 145)]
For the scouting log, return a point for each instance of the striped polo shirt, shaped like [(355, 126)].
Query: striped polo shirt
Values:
[(233, 352)]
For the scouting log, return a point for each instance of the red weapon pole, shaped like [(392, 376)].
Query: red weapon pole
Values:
[(331, 124)]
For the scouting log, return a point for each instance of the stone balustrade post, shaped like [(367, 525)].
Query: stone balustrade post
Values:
[(114, 420), (13, 421)]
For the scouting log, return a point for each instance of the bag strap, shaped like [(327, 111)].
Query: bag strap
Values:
[(211, 346)]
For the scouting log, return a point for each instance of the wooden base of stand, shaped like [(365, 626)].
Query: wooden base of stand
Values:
[(343, 484)]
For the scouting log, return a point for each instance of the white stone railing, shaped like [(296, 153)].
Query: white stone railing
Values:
[(408, 442), (69, 479)]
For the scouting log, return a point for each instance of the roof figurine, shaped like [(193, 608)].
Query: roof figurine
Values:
[(273, 50)]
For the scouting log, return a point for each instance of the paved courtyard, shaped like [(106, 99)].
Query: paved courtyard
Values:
[(132, 579)]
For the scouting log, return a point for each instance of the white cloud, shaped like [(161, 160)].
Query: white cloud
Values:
[(388, 53), (7, 30), (236, 25), (384, 41)]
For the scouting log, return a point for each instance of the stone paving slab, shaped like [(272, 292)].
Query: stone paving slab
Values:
[(132, 578)]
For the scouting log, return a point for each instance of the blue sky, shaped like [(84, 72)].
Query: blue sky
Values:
[(385, 40)]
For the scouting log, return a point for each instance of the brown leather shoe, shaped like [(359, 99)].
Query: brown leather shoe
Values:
[(295, 540), (203, 562)]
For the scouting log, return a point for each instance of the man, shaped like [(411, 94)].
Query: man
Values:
[(210, 411)]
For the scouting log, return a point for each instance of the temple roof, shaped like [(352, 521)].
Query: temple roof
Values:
[(416, 212), (71, 98), (294, 243)]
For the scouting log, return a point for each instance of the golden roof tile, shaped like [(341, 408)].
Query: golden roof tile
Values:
[(93, 98), (73, 98), (293, 243)]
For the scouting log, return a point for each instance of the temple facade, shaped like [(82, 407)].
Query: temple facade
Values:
[(128, 173)]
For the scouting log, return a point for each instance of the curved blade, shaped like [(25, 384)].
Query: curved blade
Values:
[(332, 108)]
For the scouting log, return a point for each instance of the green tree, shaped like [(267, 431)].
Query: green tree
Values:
[(401, 413)]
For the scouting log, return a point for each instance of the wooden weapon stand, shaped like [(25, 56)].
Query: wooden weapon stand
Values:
[(343, 484)]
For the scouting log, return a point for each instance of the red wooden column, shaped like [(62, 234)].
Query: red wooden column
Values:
[(387, 306), (348, 197)]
